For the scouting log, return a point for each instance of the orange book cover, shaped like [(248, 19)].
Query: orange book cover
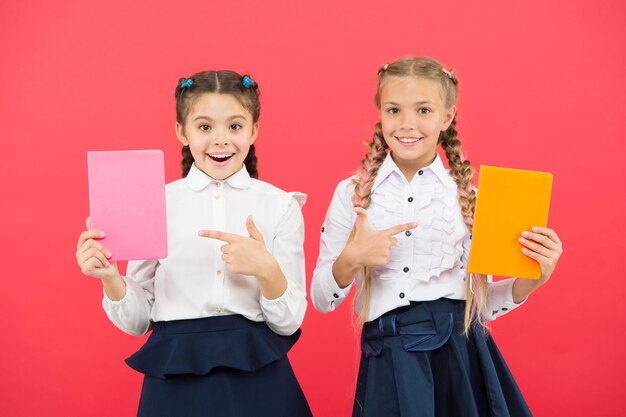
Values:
[(509, 201)]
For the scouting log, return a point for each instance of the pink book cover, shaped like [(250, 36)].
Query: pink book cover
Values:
[(127, 202)]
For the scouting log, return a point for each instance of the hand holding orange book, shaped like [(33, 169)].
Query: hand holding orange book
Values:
[(509, 202)]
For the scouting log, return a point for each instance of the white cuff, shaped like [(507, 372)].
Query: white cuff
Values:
[(500, 298), (284, 314)]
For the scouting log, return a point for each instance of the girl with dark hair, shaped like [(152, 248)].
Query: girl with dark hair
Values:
[(226, 305), (401, 229)]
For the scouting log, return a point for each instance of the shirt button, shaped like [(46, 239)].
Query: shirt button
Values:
[(336, 295), (420, 172), (410, 199), (401, 295), (219, 272), (218, 310), (408, 233), (217, 183), (218, 196), (405, 269)]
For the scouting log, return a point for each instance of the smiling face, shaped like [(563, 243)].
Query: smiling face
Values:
[(413, 114), (219, 132)]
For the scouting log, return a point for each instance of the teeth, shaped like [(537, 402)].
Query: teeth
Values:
[(220, 155), (408, 140)]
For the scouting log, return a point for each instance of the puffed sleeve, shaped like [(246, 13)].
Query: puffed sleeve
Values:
[(131, 314), (325, 293), (499, 294), (285, 314)]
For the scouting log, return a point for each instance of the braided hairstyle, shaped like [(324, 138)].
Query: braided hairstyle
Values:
[(242, 88), (460, 171)]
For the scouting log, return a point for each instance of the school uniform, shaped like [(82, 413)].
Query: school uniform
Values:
[(218, 346), (415, 361)]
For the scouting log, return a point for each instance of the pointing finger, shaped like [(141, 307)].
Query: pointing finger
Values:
[(223, 236), (399, 228)]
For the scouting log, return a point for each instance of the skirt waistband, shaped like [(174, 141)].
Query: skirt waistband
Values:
[(422, 326), (389, 323), (206, 324)]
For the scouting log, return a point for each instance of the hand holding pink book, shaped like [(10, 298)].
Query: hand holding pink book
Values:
[(127, 202)]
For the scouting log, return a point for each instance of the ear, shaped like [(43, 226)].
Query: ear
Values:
[(255, 132), (449, 117), (180, 132)]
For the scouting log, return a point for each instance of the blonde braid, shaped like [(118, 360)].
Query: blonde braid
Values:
[(461, 172), (369, 168), (362, 198)]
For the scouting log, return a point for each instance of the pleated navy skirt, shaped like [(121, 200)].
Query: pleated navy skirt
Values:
[(416, 362), (217, 366)]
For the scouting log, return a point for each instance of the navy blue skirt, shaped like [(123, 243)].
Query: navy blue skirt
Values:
[(218, 366), (416, 362)]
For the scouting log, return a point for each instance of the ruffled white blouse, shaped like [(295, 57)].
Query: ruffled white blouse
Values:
[(427, 263)]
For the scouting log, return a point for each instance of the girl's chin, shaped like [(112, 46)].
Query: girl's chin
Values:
[(218, 172)]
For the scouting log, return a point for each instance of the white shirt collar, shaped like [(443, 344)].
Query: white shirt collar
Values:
[(389, 166), (197, 179)]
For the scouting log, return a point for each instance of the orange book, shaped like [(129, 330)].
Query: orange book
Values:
[(509, 202)]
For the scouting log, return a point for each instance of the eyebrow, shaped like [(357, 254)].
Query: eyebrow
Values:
[(236, 116), (416, 103)]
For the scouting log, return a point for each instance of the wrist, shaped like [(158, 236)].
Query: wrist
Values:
[(350, 260), (270, 270), (522, 288), (114, 287), (345, 268), (110, 280)]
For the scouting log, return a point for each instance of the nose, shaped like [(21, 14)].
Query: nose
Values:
[(407, 121), (221, 138)]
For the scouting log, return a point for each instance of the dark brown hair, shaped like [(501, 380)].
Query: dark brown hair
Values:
[(219, 82)]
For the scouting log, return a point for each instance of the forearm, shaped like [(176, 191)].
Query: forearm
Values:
[(114, 287), (131, 312), (522, 288), (272, 281), (345, 268)]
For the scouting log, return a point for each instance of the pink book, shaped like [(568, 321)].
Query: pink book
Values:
[(127, 202)]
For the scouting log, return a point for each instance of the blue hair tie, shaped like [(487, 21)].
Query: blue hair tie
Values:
[(248, 82), (187, 83)]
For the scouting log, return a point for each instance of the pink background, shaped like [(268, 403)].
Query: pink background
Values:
[(541, 87)]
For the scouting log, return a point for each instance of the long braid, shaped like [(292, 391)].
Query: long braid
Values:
[(461, 171), (377, 151), (251, 162), (187, 161)]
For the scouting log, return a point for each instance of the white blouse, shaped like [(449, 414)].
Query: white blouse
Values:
[(192, 281), (426, 264)]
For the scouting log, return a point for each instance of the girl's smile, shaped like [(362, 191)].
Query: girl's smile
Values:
[(220, 158), (408, 141)]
